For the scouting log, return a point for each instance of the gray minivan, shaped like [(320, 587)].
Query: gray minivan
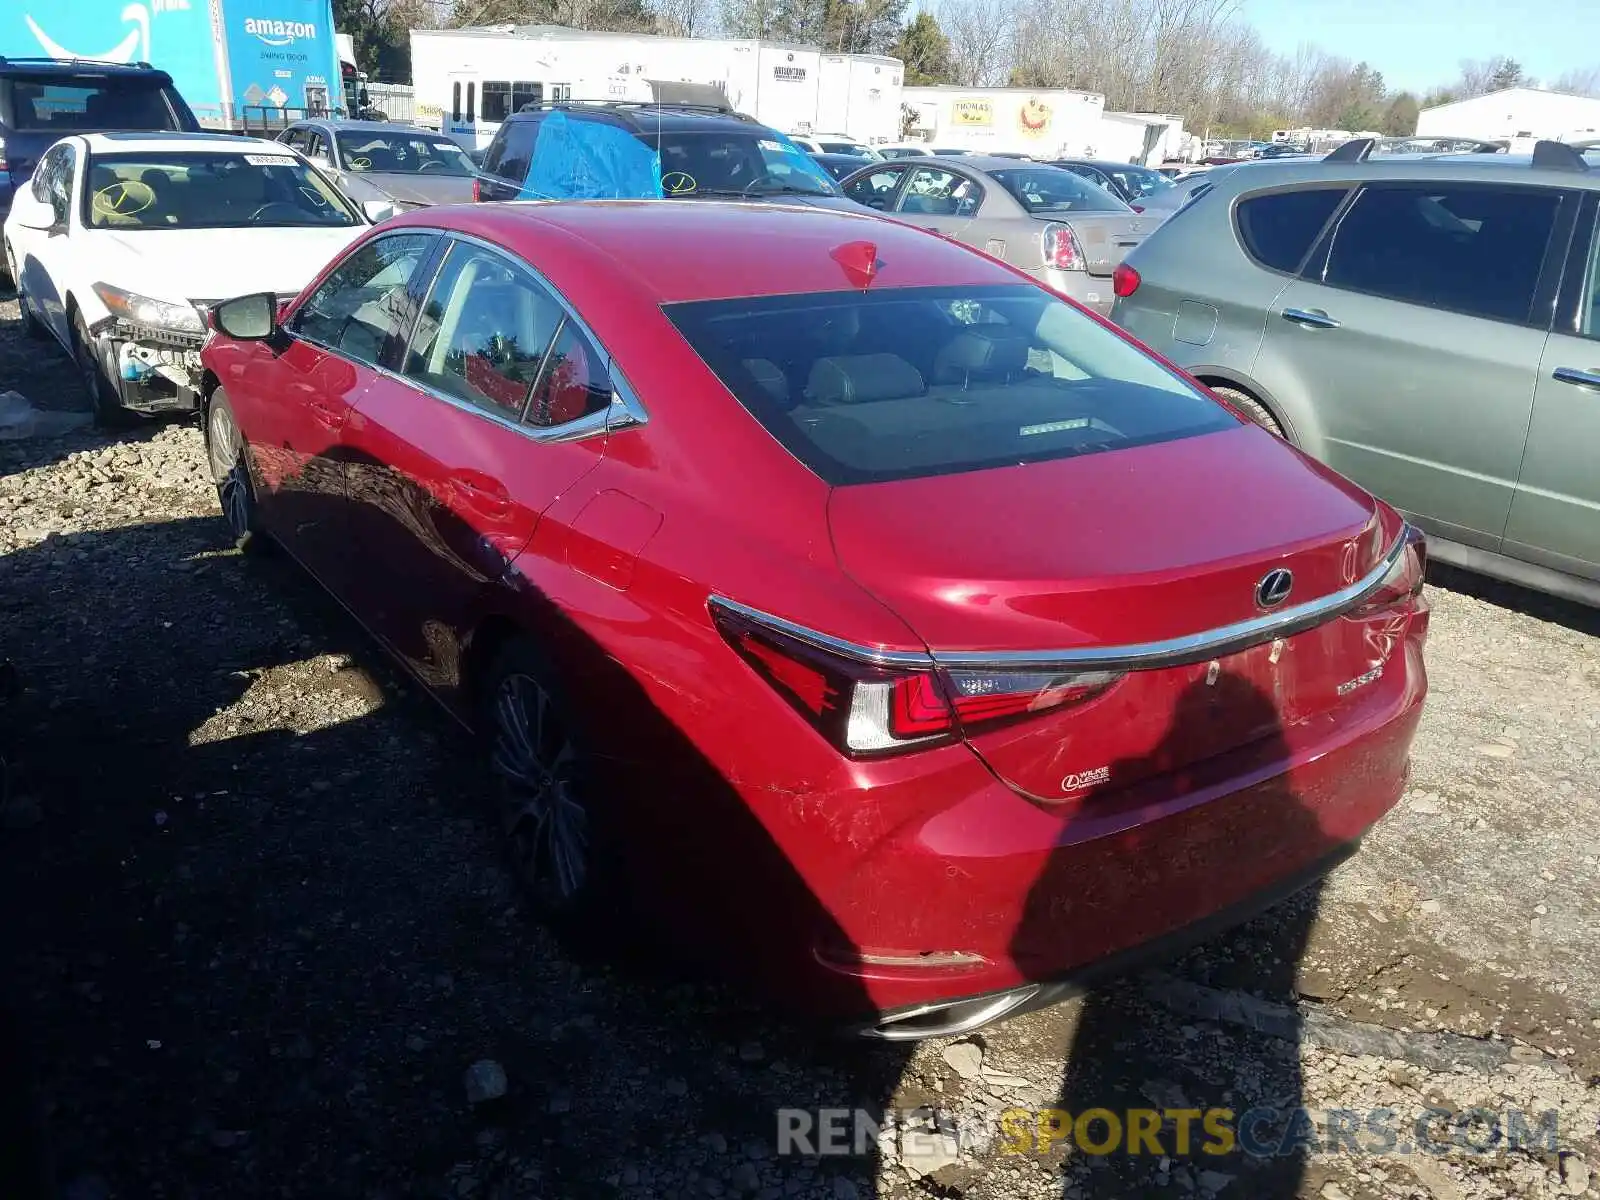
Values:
[(1429, 326)]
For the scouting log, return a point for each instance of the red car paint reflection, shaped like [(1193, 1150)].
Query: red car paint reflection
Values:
[(930, 641)]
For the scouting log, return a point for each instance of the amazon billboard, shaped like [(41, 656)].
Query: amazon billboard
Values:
[(281, 54), (174, 35)]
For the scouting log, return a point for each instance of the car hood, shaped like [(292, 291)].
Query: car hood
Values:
[(214, 264), (408, 188)]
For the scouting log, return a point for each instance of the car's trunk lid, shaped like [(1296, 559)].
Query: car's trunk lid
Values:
[(1039, 568), (1105, 238)]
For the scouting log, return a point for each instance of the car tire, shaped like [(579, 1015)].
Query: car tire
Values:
[(106, 400), (1250, 407), (228, 456), (541, 762)]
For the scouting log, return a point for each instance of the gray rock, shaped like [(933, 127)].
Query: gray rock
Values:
[(485, 1080), (965, 1059)]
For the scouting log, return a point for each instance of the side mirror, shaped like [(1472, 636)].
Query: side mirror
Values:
[(32, 213), (379, 210), (251, 318)]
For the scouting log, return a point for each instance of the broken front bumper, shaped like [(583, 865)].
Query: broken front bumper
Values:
[(154, 370)]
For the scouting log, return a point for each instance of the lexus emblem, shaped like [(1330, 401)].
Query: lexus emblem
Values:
[(1274, 588)]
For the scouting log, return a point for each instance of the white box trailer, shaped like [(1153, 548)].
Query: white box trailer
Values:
[(1044, 123), (468, 80)]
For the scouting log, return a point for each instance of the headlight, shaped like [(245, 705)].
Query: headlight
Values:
[(142, 310)]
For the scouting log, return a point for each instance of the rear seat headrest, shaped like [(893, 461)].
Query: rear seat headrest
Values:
[(863, 378), (983, 353), (769, 378)]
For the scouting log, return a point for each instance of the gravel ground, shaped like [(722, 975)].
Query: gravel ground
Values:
[(257, 932)]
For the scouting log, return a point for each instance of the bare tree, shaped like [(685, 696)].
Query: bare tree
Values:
[(1583, 82), (977, 33), (686, 18)]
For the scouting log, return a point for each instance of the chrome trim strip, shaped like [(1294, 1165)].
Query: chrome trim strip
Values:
[(1195, 647), (971, 1015), (1173, 652), (875, 656)]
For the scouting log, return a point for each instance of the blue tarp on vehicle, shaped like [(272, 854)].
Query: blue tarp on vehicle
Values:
[(590, 160)]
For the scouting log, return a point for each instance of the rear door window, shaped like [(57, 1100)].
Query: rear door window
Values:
[(1476, 250), (66, 105), (485, 333), (1279, 229)]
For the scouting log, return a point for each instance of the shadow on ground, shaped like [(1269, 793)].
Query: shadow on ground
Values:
[(262, 928)]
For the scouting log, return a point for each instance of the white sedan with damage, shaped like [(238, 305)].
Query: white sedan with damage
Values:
[(123, 240)]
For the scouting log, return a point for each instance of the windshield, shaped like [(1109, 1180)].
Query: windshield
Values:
[(738, 162), (64, 105), (850, 148), (229, 190), (1053, 190), (401, 153), (907, 382)]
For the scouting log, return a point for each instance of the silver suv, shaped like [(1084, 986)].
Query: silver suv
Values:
[(1429, 326)]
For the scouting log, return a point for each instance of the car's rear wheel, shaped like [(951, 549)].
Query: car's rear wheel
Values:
[(1251, 407), (103, 394), (545, 793), (228, 457)]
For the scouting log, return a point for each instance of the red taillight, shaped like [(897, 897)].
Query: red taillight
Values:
[(1404, 581), (1061, 249), (477, 191), (865, 709), (1125, 280), (1137, 207)]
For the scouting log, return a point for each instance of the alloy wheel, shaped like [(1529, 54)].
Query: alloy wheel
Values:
[(544, 816), (228, 471)]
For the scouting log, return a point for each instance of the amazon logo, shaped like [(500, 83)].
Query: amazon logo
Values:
[(279, 33)]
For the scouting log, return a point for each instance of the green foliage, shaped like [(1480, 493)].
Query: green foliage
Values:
[(925, 50), (1400, 118)]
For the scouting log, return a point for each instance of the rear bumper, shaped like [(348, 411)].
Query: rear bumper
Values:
[(996, 893), (1091, 291)]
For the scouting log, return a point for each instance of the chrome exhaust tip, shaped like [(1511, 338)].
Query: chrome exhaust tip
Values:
[(948, 1018)]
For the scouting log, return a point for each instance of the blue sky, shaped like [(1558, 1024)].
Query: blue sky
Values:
[(1420, 43)]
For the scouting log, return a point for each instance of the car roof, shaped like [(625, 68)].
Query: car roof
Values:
[(341, 126), (199, 143), (644, 117), (1460, 168), (1103, 164), (669, 252), (79, 67)]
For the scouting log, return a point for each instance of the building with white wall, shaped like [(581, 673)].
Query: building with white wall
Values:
[(468, 80), (1042, 122), (1512, 114)]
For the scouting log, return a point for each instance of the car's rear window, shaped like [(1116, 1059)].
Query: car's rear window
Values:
[(64, 105), (1055, 190), (865, 387)]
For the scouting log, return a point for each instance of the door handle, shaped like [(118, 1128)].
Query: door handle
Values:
[(1313, 318), (1577, 377)]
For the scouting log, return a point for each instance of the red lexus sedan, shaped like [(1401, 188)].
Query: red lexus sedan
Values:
[(833, 601)]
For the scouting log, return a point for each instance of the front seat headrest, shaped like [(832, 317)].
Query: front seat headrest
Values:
[(863, 378), (982, 354)]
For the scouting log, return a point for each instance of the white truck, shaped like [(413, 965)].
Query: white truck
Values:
[(469, 80)]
